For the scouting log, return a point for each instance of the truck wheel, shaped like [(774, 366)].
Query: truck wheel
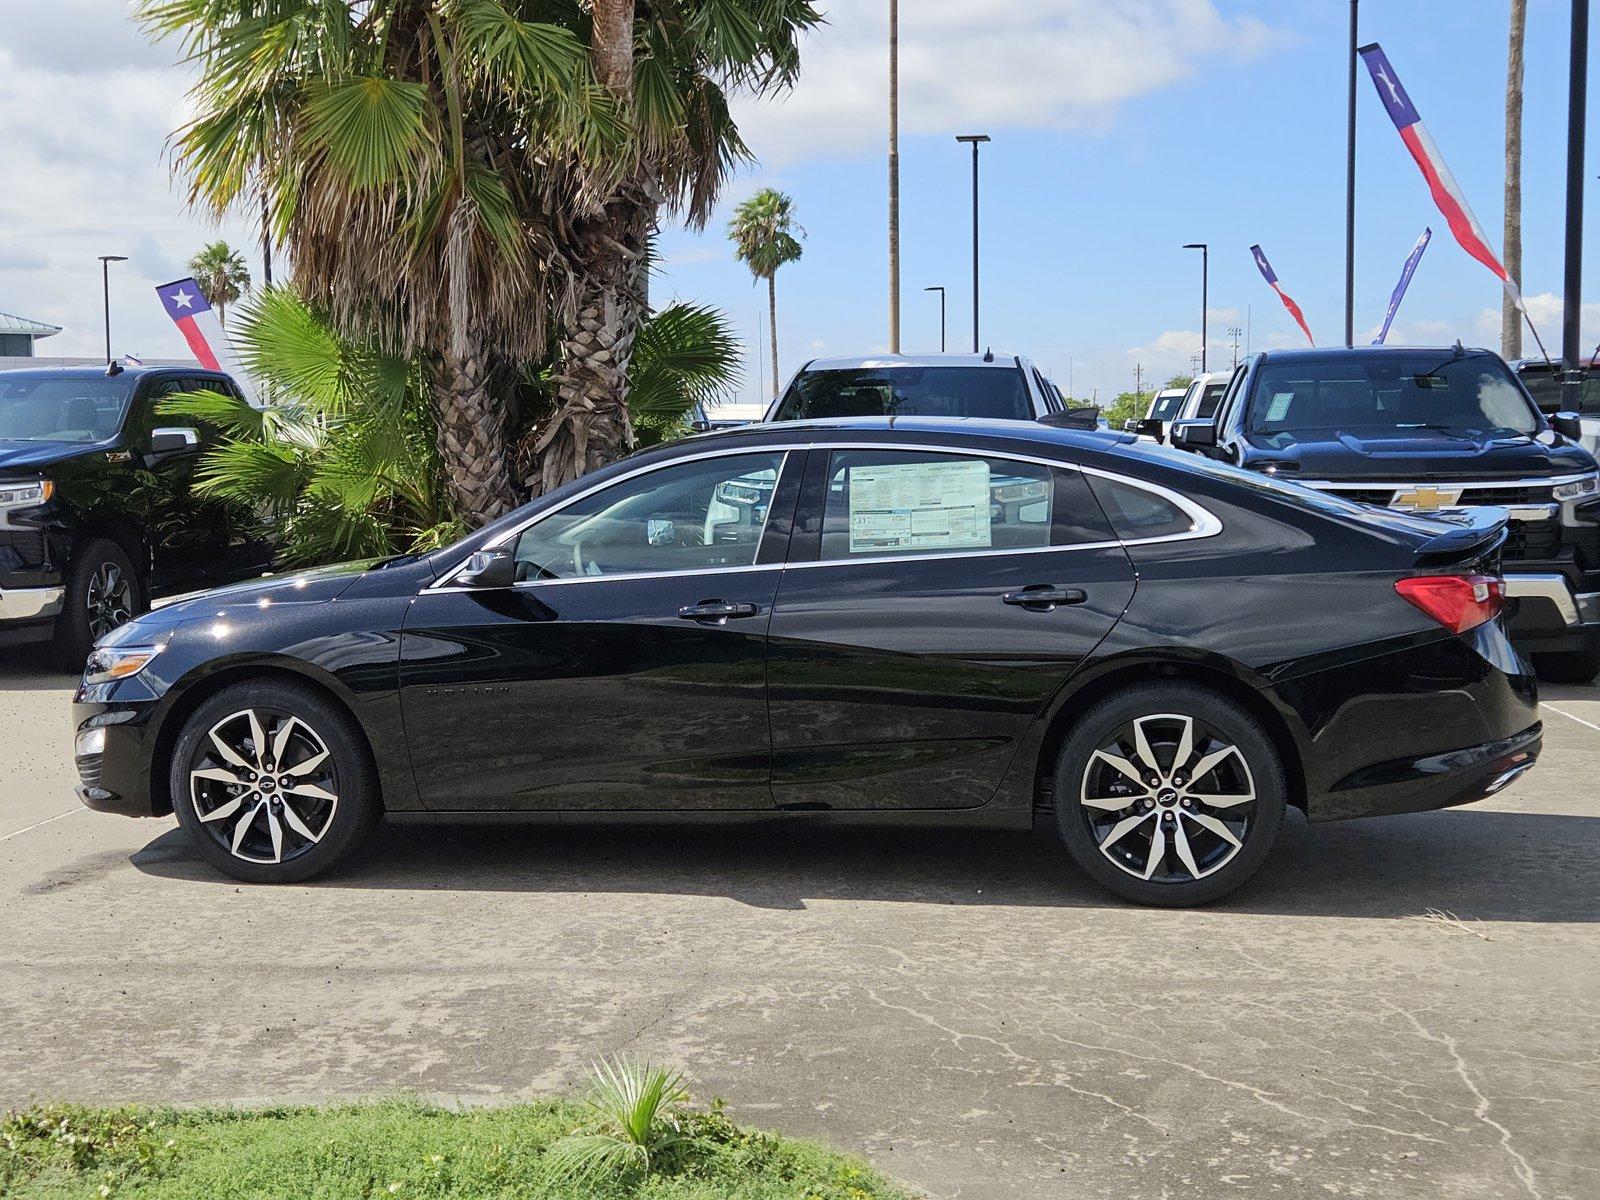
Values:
[(1169, 794), (1569, 666), (103, 592)]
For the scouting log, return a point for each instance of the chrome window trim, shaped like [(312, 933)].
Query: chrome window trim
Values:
[(1206, 524)]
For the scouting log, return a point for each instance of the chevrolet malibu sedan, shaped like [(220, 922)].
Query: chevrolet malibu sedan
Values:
[(914, 621)]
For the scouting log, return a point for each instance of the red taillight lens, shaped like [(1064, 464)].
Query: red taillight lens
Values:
[(1458, 602)]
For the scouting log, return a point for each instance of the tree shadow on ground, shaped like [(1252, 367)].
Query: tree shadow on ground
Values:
[(1477, 863)]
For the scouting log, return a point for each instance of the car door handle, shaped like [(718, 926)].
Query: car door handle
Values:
[(1042, 597), (716, 610)]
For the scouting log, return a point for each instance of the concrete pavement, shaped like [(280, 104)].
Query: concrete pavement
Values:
[(965, 1010)]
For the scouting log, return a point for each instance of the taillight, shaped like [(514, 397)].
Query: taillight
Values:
[(1458, 602)]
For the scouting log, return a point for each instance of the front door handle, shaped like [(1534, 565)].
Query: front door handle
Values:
[(716, 610), (1042, 597)]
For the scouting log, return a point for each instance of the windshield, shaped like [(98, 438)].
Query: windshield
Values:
[(1389, 392), (1544, 385), (1166, 407), (50, 408), (907, 392)]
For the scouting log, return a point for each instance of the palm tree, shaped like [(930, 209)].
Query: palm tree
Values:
[(220, 271), (448, 175), (1510, 315), (763, 231), (669, 67)]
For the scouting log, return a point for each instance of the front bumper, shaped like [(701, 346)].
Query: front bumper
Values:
[(29, 614), (1549, 614), (114, 771)]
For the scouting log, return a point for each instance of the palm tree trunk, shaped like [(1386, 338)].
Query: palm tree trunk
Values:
[(1510, 316), (772, 327), (590, 425), (473, 434)]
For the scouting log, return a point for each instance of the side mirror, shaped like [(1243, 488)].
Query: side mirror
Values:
[(171, 442), (1131, 425), (700, 425), (488, 569), (1568, 425), (1150, 427), (1194, 433)]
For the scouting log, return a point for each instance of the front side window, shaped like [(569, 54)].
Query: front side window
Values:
[(1210, 399), (1166, 408), (993, 392), (891, 502), (692, 516), (50, 408), (1434, 391)]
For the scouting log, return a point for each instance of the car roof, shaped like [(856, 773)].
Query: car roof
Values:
[(138, 372), (990, 359), (1172, 392), (1333, 353), (831, 428)]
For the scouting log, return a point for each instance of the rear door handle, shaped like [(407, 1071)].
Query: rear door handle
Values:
[(1042, 597), (716, 610)]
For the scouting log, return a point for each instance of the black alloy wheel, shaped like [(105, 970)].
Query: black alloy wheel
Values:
[(103, 592), (1169, 794)]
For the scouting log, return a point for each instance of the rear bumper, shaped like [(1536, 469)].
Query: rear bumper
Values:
[(1433, 781)]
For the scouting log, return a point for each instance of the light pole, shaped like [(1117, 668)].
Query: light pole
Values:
[(894, 176), (1572, 284), (1234, 331), (1350, 190), (976, 139), (105, 287), (940, 289), (1205, 289)]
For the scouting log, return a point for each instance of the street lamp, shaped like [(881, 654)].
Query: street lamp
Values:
[(1205, 287), (105, 286), (976, 139), (940, 289)]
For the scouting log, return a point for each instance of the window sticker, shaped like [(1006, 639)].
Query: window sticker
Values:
[(1279, 408), (919, 506)]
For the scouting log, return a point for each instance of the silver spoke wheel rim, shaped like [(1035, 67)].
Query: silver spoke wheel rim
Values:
[(109, 599), (263, 786), (1167, 799)]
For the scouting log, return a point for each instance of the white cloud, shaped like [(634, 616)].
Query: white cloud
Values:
[(965, 66), (1545, 310)]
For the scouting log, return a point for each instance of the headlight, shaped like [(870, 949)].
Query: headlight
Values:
[(14, 495), (1589, 485), (111, 663)]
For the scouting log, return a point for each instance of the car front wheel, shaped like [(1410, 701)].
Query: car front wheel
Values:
[(1169, 794), (103, 592), (272, 782)]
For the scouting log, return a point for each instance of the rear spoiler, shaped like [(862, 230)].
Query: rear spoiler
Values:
[(1474, 531)]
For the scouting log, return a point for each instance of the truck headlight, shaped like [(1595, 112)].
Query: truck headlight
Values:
[(15, 495), (110, 663), (1589, 485)]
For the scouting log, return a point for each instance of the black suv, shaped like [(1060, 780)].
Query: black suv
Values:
[(97, 513), (1426, 429)]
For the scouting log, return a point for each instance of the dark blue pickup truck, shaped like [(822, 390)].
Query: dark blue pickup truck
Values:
[(1428, 429)]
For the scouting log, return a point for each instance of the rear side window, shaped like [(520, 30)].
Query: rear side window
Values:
[(993, 392), (1137, 514), (909, 502)]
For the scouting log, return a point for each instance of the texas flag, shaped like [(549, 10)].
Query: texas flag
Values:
[(186, 304), (1446, 192), (1271, 277)]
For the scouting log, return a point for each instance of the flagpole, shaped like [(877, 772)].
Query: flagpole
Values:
[(1350, 189)]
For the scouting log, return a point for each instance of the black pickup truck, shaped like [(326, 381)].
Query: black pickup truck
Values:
[(1428, 429), (97, 511)]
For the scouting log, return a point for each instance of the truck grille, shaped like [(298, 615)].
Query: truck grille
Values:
[(25, 547), (1532, 540), (1525, 540)]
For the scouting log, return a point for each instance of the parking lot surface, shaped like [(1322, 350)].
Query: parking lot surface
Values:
[(1395, 1007)]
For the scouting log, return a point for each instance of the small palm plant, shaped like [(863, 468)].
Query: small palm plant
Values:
[(764, 232), (220, 271), (637, 1112), (686, 354)]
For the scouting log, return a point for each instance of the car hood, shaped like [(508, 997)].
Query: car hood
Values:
[(1411, 454), (29, 458), (316, 586)]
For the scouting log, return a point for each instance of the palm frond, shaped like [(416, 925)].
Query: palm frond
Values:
[(375, 131), (684, 355), (636, 1106), (234, 417)]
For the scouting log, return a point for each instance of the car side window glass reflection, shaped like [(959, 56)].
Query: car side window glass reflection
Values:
[(1137, 514), (883, 502), (692, 516)]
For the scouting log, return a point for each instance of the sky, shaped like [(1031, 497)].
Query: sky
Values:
[(1122, 129)]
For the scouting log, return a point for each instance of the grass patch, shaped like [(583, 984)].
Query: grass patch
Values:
[(399, 1149)]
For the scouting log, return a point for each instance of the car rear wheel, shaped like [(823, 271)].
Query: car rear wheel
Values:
[(273, 782), (1169, 794), (103, 592), (1568, 666)]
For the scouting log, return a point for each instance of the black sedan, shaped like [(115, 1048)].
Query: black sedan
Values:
[(919, 621)]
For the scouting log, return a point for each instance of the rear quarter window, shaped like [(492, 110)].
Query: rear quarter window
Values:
[(1138, 514)]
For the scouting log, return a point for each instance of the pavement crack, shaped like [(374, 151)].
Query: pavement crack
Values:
[(1523, 1169)]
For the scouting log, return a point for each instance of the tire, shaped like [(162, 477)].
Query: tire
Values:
[(1569, 666), (103, 591), (284, 824), (1113, 842)]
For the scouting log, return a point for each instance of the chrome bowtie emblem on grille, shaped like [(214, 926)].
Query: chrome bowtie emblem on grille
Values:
[(1425, 498)]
